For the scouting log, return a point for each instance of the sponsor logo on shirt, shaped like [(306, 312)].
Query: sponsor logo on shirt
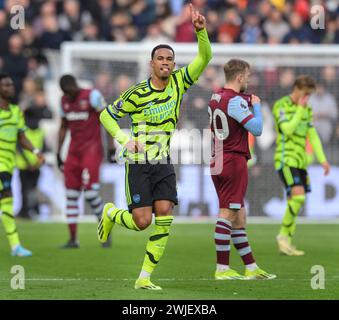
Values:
[(118, 106), (77, 116)]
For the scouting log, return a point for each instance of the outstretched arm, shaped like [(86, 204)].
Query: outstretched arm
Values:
[(199, 63)]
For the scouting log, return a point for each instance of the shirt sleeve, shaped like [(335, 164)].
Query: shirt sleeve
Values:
[(120, 108), (111, 114), (97, 100), (316, 144), (238, 109), (21, 123), (192, 72), (286, 126)]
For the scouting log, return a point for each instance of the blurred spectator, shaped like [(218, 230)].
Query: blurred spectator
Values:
[(231, 25), (47, 9), (332, 32), (155, 35), (213, 22), (251, 32), (31, 45), (72, 19), (102, 11), (275, 27), (300, 32), (286, 79), (53, 36), (330, 80), (185, 31), (103, 82), (5, 32), (29, 172), (26, 97), (14, 63), (325, 113), (143, 13), (90, 32)]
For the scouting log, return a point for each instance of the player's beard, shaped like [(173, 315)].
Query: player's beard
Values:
[(243, 88)]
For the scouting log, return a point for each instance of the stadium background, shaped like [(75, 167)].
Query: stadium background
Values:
[(111, 43)]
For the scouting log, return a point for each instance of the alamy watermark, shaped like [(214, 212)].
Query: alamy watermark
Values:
[(18, 280), (17, 20), (318, 17), (318, 280)]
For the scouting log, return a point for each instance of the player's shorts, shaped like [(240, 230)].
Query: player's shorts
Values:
[(82, 170), (5, 182), (231, 183), (294, 177), (146, 183)]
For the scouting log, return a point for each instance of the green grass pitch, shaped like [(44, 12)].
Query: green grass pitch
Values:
[(185, 271)]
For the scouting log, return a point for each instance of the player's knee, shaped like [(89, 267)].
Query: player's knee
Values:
[(164, 209), (143, 222), (300, 198)]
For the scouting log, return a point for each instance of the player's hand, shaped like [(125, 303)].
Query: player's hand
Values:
[(303, 101), (60, 162), (41, 159), (198, 20), (255, 99), (134, 146), (111, 156), (326, 166)]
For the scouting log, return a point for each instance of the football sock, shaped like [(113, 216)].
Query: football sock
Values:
[(294, 204), (221, 267), (156, 244), (222, 237), (93, 198), (72, 212), (6, 207), (125, 219), (240, 241)]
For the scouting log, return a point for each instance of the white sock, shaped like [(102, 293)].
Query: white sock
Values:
[(222, 267), (144, 274), (252, 266)]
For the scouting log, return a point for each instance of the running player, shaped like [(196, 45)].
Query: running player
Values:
[(154, 107)]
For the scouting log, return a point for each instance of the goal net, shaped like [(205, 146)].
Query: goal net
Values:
[(112, 68)]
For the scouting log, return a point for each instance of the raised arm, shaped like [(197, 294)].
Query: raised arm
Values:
[(199, 63)]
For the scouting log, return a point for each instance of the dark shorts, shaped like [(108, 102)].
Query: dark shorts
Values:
[(231, 183), (82, 170), (146, 183), (5, 182), (294, 177)]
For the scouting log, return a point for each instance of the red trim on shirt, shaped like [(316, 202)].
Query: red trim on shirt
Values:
[(247, 119)]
